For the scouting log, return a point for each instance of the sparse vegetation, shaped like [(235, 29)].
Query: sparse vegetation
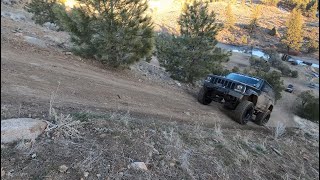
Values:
[(259, 64), (279, 130), (119, 35), (167, 148)]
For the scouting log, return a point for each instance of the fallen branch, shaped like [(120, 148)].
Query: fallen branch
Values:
[(276, 151)]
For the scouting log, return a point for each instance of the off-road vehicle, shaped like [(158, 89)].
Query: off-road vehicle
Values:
[(243, 94)]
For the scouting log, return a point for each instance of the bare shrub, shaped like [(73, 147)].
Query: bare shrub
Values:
[(279, 130)]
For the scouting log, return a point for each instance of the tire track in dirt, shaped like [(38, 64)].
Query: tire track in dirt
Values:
[(27, 74)]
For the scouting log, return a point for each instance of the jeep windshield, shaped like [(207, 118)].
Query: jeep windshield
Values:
[(245, 79)]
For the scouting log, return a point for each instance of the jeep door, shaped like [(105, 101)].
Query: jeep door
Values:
[(268, 95)]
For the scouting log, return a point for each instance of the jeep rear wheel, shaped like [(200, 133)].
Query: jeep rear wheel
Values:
[(262, 118), (203, 96), (244, 111)]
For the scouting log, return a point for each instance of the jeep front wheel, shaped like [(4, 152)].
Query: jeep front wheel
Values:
[(262, 118), (203, 96), (244, 111)]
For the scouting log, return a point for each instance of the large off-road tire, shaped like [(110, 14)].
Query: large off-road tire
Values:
[(203, 96), (243, 112), (262, 118)]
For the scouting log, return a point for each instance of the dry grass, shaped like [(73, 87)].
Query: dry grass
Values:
[(279, 130), (110, 142)]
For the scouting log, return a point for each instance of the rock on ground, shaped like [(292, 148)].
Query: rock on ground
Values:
[(35, 41), (51, 26), (139, 166), (13, 16), (63, 168), (21, 128)]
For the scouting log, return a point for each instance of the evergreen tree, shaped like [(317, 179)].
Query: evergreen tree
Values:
[(192, 55), (293, 35), (42, 11), (256, 13), (230, 19), (313, 10), (185, 4), (117, 33), (312, 44), (308, 106)]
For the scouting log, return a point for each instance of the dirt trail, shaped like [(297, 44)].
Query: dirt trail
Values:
[(29, 75), (26, 74)]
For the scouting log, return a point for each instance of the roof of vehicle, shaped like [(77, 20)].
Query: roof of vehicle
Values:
[(247, 76), (253, 77)]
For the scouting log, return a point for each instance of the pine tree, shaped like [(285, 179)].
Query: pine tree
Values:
[(293, 35), (42, 11), (256, 13), (312, 44), (117, 33), (230, 19), (313, 10), (193, 54), (185, 5)]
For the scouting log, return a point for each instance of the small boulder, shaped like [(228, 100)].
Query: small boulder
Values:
[(21, 128), (63, 168), (13, 16), (179, 84), (51, 26), (35, 41), (139, 166)]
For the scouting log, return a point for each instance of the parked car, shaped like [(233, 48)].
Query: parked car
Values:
[(289, 89), (311, 85)]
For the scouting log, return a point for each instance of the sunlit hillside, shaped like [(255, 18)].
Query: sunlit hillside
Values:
[(166, 13)]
